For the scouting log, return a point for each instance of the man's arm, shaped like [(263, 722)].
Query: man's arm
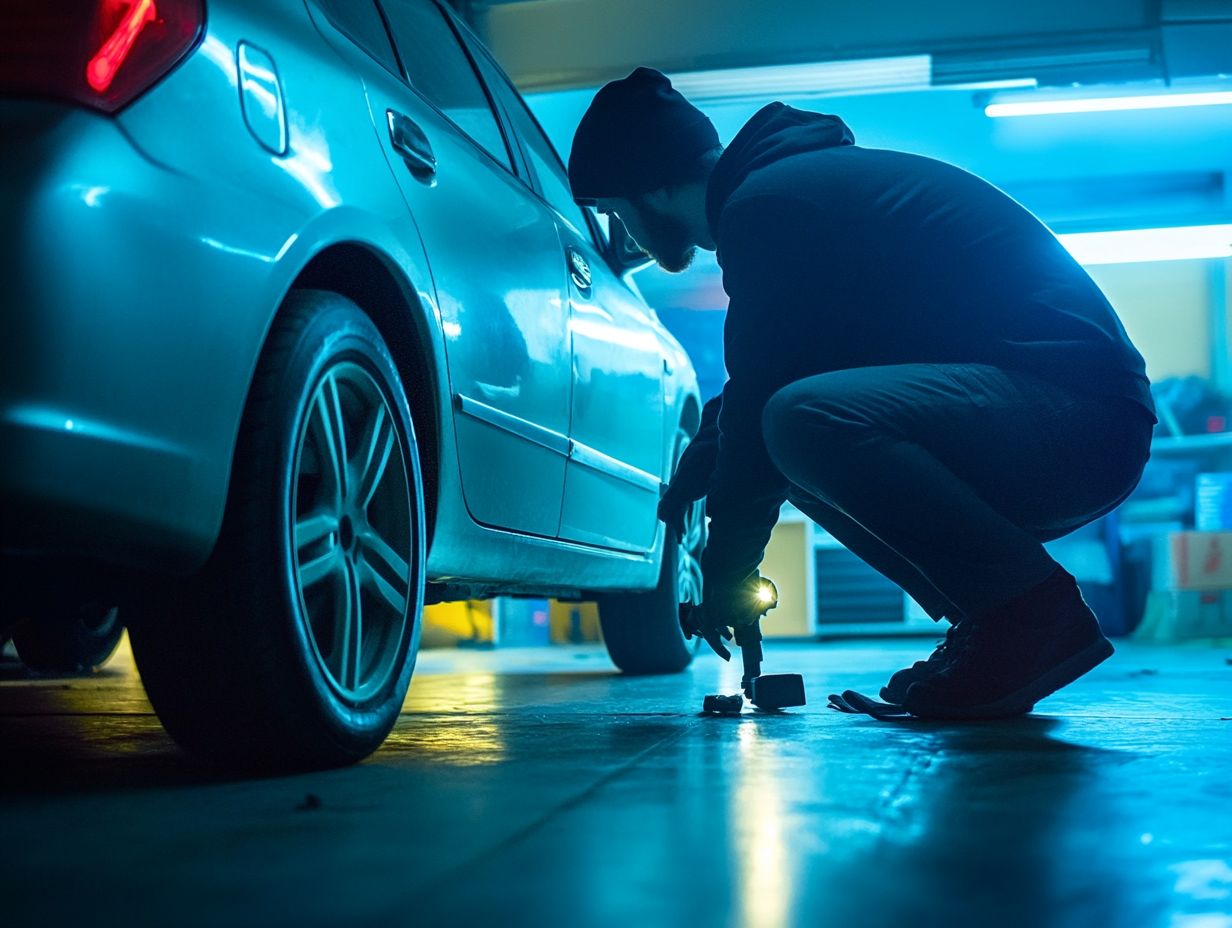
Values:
[(692, 477), (746, 489), (776, 332)]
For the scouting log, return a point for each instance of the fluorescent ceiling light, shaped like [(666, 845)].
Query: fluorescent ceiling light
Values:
[(807, 80), (1134, 245), (1008, 83), (1157, 101)]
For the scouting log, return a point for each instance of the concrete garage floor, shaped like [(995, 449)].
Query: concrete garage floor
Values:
[(538, 787)]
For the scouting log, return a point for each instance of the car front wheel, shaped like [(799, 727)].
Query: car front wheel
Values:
[(642, 630), (295, 645)]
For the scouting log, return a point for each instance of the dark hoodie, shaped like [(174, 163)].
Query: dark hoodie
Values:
[(836, 257)]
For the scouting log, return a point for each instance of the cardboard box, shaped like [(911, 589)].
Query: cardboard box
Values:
[(1192, 561)]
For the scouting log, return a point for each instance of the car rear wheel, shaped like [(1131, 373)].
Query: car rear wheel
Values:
[(295, 645), (642, 631), (69, 637)]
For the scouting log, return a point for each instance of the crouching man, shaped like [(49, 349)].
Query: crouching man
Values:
[(914, 361)]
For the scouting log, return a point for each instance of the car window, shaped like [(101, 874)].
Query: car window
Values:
[(544, 161), (361, 22), (553, 180), (437, 67), (605, 226)]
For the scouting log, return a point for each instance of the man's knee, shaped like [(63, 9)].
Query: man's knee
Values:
[(780, 425), (803, 414), (792, 423)]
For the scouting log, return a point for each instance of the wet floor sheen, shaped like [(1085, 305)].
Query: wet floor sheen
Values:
[(539, 787)]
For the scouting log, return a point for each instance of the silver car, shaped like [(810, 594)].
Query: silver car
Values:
[(302, 330)]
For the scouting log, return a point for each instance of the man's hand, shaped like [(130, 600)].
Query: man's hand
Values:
[(723, 611), (694, 622), (672, 510), (692, 477)]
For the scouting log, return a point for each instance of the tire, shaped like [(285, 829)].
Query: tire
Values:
[(294, 646), (642, 631), (69, 637)]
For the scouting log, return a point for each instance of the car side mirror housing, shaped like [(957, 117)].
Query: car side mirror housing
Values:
[(626, 253)]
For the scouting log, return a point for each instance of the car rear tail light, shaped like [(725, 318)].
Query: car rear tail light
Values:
[(102, 53)]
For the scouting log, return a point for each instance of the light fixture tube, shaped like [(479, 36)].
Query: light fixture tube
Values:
[(1157, 101), (813, 79), (1131, 246)]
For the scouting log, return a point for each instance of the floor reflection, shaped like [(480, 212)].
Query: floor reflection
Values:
[(763, 859)]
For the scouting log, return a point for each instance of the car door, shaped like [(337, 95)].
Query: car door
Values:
[(616, 429), (496, 267)]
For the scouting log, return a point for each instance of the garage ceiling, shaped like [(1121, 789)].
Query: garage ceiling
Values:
[(560, 44)]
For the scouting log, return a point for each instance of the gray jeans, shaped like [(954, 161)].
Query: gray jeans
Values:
[(947, 478)]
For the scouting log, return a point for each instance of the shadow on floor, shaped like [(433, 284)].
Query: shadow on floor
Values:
[(1005, 817)]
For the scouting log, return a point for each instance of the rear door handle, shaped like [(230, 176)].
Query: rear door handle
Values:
[(410, 142)]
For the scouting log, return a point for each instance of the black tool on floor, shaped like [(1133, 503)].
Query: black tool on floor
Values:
[(715, 704), (770, 691)]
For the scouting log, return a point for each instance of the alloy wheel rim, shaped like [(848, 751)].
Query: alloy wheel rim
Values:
[(352, 531), (689, 555)]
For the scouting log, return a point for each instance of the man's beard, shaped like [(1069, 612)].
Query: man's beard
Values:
[(667, 240)]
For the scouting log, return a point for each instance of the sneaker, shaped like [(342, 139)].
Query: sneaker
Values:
[(1015, 656), (895, 691)]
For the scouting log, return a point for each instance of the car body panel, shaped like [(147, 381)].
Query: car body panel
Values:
[(498, 280), (146, 257), (616, 415), (617, 456), (114, 213), (96, 279)]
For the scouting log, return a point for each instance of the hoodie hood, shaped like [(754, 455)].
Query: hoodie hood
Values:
[(775, 132)]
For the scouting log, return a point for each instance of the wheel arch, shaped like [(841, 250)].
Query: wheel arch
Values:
[(368, 279), (691, 416)]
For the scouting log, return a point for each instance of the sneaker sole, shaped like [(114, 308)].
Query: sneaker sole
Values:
[(1023, 701)]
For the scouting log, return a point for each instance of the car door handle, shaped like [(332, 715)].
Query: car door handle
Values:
[(410, 142)]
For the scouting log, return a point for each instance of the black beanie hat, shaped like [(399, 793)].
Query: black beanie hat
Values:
[(639, 134)]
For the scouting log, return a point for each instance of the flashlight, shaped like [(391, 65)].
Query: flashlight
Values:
[(767, 595)]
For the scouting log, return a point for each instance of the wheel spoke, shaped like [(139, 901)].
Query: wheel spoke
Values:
[(318, 568), (316, 527), (348, 630), (332, 431), (377, 447), (372, 543), (394, 598)]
